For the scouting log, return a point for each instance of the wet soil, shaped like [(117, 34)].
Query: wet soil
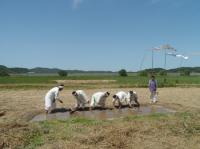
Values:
[(101, 113)]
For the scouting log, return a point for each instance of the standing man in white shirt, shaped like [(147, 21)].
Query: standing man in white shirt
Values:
[(51, 97), (99, 99)]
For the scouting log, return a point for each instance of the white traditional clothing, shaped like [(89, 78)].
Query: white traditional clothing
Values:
[(126, 98), (121, 97), (153, 96), (81, 98), (98, 99), (132, 98), (50, 98)]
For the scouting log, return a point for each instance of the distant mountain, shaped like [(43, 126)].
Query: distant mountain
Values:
[(156, 70), (13, 70), (3, 67), (38, 70), (82, 71), (175, 70), (44, 70), (4, 71), (18, 70), (191, 69)]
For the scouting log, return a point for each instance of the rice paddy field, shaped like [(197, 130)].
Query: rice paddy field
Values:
[(22, 97), (88, 81)]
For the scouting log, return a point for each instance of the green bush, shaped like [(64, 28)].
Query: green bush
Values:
[(162, 73), (143, 73), (185, 73), (123, 73), (4, 73), (62, 73), (165, 80), (177, 81)]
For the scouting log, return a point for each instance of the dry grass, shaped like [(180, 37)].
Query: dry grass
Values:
[(149, 132), (85, 81)]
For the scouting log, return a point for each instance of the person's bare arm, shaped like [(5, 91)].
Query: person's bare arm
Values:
[(60, 100), (114, 102), (136, 100)]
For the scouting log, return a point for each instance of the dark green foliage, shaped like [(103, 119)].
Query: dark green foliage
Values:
[(162, 73), (165, 80), (3, 73), (143, 73), (185, 73), (62, 73), (155, 70), (123, 73), (19, 70), (13, 70), (44, 70), (183, 69)]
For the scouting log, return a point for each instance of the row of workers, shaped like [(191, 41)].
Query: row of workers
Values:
[(98, 99)]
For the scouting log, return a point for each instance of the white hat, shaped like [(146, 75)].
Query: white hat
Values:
[(61, 86)]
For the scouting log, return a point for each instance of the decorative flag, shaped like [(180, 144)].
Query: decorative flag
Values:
[(164, 47), (156, 48), (178, 55), (168, 47)]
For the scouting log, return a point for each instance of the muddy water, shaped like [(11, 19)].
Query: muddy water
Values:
[(106, 114)]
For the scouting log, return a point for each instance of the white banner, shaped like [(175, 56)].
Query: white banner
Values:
[(178, 55)]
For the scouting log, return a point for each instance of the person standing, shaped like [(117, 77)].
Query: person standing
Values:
[(153, 89)]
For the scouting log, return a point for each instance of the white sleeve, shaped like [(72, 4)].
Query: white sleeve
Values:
[(57, 94), (85, 97)]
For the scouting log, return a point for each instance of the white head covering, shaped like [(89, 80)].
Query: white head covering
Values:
[(61, 86)]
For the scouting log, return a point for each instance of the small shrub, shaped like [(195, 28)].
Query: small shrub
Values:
[(165, 80), (185, 73), (143, 73), (3, 73), (162, 73), (123, 73), (177, 81), (62, 73)]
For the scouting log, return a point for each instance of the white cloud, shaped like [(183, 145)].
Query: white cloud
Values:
[(76, 3)]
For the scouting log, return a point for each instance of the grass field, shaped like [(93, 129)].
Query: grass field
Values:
[(156, 131), (30, 82)]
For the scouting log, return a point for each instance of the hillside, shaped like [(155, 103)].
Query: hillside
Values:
[(38, 70)]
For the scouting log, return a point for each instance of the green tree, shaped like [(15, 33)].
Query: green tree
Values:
[(3, 73), (62, 73), (143, 73), (185, 73), (123, 73), (162, 73)]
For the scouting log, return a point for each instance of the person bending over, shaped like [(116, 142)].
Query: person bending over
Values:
[(99, 99), (81, 99), (51, 97)]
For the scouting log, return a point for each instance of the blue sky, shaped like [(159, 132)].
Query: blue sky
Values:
[(97, 34)]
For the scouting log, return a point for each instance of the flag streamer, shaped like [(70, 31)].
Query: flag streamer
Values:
[(178, 55)]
